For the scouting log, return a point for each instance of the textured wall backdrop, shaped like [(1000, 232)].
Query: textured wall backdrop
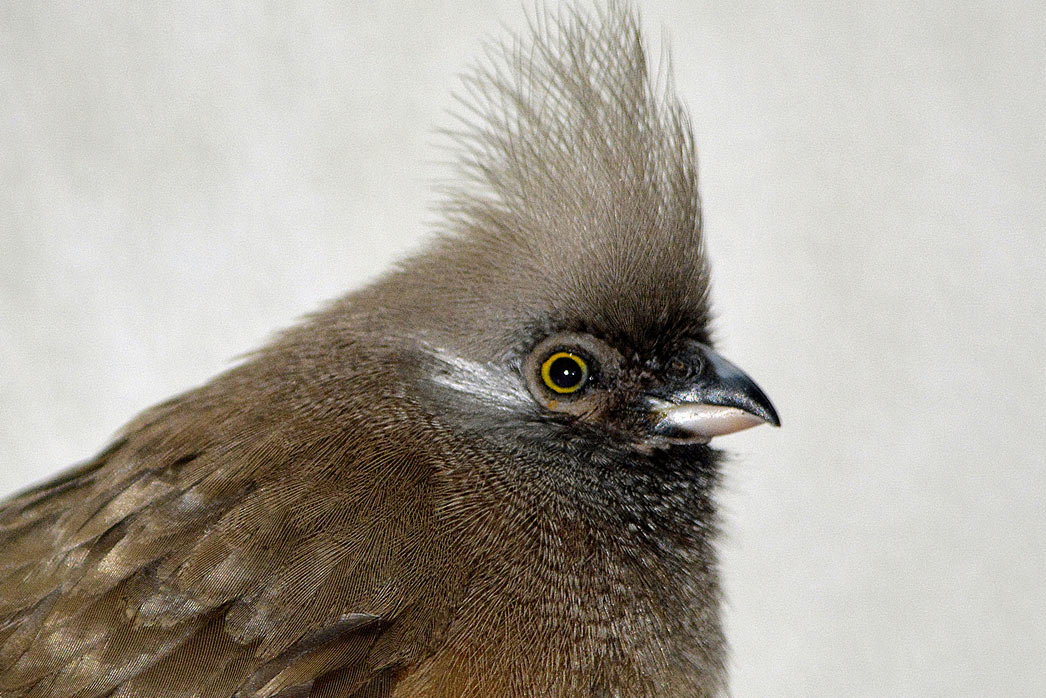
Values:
[(179, 179)]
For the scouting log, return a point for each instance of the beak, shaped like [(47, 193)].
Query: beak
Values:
[(717, 398)]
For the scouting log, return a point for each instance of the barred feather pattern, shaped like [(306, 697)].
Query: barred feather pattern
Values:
[(316, 523)]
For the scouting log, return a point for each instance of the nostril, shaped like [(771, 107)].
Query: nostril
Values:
[(678, 370)]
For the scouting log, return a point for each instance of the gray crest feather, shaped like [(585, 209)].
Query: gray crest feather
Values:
[(577, 174), (314, 523)]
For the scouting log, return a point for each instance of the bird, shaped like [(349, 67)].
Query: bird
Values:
[(487, 473)]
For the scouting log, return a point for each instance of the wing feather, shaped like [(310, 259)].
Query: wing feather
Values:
[(202, 556)]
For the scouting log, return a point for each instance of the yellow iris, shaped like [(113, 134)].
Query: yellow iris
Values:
[(564, 372)]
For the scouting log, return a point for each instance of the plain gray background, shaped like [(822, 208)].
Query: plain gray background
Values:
[(181, 179)]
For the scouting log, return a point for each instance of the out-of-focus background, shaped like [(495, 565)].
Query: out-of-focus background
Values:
[(180, 179)]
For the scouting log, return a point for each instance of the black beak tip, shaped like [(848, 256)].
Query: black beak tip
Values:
[(762, 407), (738, 389), (774, 420)]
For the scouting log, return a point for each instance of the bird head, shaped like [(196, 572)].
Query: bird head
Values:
[(566, 302)]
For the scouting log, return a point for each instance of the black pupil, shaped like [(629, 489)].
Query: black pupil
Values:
[(565, 372)]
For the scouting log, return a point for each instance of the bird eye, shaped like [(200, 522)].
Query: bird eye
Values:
[(564, 372)]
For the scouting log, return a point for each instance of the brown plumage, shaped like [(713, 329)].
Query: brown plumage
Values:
[(406, 495)]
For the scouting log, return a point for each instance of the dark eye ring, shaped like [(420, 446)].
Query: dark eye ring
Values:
[(564, 372)]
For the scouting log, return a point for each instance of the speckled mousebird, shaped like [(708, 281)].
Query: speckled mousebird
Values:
[(486, 474)]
